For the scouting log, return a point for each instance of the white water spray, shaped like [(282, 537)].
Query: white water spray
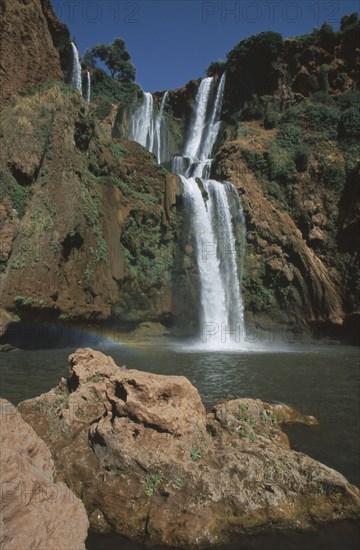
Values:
[(160, 148), (76, 69), (88, 87), (214, 209), (142, 128), (149, 126)]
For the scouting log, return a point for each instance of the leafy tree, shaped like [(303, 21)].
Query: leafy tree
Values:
[(117, 59), (216, 67), (327, 36), (348, 21), (254, 63), (88, 60)]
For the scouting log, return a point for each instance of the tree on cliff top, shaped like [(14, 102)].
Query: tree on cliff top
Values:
[(117, 59)]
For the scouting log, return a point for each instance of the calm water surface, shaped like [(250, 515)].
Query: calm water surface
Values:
[(320, 380)]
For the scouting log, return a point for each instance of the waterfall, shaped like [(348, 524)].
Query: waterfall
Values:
[(76, 69), (218, 205), (149, 128), (214, 209), (212, 217), (213, 126), (160, 140), (142, 128), (88, 87), (197, 127), (212, 310)]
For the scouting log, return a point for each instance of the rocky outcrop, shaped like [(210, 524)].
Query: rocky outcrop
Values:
[(149, 462), (29, 57), (98, 218), (36, 510)]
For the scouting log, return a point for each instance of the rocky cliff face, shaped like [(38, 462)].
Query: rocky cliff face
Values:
[(33, 45), (98, 230), (92, 227), (291, 146), (36, 510), (155, 467), (284, 279)]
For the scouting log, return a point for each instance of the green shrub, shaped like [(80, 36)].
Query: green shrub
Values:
[(349, 125), (281, 165), (152, 483), (18, 194), (333, 174), (324, 78), (271, 119), (327, 37), (322, 97), (103, 109), (195, 454), (349, 99), (255, 161), (105, 88), (314, 117), (216, 67), (289, 136), (301, 157)]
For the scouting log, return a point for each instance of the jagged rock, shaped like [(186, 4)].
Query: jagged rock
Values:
[(150, 464), (36, 511), (29, 57)]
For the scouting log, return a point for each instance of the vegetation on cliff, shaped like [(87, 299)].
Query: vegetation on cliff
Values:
[(103, 210), (92, 240), (298, 137)]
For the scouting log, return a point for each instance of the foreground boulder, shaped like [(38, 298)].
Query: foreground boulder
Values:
[(36, 511), (149, 462)]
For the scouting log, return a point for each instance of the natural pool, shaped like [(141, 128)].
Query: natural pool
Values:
[(321, 380)]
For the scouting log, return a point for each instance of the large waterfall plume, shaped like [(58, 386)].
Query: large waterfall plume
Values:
[(213, 218), (214, 208), (148, 126)]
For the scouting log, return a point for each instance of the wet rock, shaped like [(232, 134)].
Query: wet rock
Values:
[(150, 464)]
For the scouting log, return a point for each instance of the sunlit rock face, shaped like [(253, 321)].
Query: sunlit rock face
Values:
[(35, 46), (150, 463), (36, 511)]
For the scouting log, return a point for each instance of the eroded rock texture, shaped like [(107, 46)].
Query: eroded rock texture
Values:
[(149, 462), (36, 511)]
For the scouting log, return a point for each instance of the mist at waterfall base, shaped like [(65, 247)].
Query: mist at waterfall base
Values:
[(214, 219)]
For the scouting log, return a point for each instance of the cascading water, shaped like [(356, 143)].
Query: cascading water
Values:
[(142, 128), (193, 143), (160, 140), (88, 87), (76, 69), (214, 208), (221, 306), (149, 129)]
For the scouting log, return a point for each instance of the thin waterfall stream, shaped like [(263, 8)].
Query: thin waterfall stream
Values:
[(76, 69)]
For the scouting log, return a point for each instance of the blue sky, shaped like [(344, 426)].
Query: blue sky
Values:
[(174, 41)]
